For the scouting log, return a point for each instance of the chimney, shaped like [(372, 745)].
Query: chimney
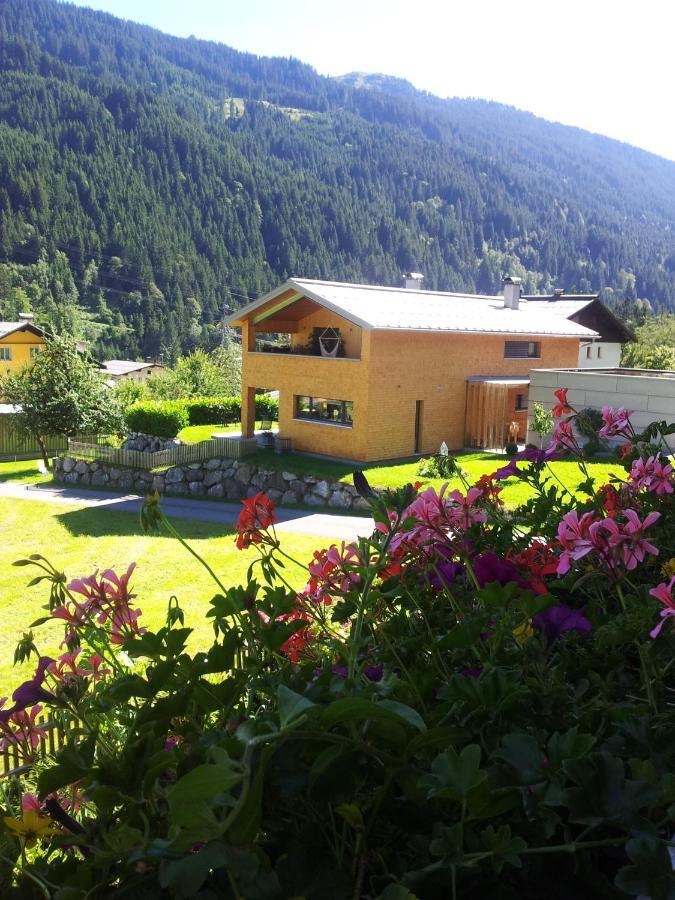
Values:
[(412, 281), (511, 287), (26, 317)]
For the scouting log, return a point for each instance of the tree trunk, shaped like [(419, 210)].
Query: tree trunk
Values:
[(43, 449)]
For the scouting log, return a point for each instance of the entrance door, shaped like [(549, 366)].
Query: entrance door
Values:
[(418, 425)]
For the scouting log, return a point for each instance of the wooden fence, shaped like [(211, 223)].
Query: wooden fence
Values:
[(15, 446), (12, 761), (181, 454)]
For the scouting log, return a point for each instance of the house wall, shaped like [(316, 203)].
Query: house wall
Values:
[(604, 355), (20, 343), (314, 376), (138, 375), (395, 370), (433, 367), (324, 318), (650, 396)]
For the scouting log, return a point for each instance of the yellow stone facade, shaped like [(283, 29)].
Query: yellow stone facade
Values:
[(393, 379)]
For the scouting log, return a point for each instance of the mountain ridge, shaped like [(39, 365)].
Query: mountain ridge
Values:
[(165, 179)]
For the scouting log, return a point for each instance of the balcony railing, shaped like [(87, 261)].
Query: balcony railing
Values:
[(264, 347)]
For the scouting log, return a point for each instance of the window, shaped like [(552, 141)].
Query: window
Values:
[(319, 409), (521, 350), (521, 402), (35, 351), (599, 352), (588, 352), (6, 354)]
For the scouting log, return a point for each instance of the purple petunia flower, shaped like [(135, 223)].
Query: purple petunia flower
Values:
[(488, 567), (30, 692), (556, 620)]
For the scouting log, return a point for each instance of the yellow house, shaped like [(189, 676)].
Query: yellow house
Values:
[(373, 373), (20, 342)]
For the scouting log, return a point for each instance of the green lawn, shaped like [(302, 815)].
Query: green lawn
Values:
[(80, 541), (397, 473), (195, 433), (22, 472)]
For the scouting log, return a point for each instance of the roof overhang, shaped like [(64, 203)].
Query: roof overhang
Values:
[(23, 326)]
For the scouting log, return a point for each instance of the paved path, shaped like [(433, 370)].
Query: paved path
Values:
[(343, 528)]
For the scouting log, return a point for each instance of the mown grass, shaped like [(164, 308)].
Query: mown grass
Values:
[(24, 471), (193, 434), (397, 473), (78, 541)]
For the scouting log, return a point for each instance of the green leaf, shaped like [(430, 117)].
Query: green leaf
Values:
[(245, 827), (188, 798), (184, 877), (349, 709), (351, 814), (396, 892), (454, 776), (505, 848), (72, 763), (291, 705), (407, 713)]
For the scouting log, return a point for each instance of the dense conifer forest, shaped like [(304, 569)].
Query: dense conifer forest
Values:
[(148, 184)]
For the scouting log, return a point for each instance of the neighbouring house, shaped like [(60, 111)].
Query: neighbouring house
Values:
[(371, 373), (647, 393), (587, 309), (20, 342), (116, 369)]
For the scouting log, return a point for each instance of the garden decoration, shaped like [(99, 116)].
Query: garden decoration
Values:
[(470, 703)]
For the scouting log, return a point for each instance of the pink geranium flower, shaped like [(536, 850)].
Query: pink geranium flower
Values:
[(651, 475), (617, 422), (664, 594)]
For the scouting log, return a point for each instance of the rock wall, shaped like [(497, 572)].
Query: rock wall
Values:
[(148, 443), (219, 478)]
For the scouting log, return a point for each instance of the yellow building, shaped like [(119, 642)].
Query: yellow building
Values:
[(373, 373), (20, 342)]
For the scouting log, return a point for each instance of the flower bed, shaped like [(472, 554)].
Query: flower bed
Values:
[(462, 705)]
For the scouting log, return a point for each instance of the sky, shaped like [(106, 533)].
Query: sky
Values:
[(602, 65)]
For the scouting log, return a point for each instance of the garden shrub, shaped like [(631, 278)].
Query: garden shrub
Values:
[(213, 410), (440, 465), (164, 419), (511, 449), (468, 703), (266, 407)]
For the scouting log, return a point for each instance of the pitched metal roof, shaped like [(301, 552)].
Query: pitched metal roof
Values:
[(403, 309), (124, 366)]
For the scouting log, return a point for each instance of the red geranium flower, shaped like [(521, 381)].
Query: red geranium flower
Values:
[(562, 407), (254, 519)]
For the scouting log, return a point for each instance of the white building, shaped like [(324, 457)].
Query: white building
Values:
[(588, 310)]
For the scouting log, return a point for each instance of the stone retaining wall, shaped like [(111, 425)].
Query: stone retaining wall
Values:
[(148, 443), (220, 478)]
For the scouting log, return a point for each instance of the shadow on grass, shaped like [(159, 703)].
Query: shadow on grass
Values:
[(104, 522)]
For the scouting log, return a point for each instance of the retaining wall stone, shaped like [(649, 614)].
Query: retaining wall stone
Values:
[(219, 478)]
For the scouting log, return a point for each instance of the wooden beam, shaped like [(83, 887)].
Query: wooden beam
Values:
[(272, 310)]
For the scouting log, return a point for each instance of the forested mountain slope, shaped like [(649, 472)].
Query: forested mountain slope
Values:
[(149, 182)]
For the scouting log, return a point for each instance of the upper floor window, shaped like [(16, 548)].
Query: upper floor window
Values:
[(6, 354), (319, 409), (35, 351), (522, 350), (521, 402)]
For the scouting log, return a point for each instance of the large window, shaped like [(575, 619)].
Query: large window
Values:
[(319, 409), (521, 350), (35, 352), (5, 354)]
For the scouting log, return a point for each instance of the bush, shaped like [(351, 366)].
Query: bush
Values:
[(511, 449), (266, 407), (163, 420), (440, 465), (213, 410), (467, 703)]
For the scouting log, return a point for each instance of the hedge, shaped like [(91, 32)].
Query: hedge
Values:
[(205, 411), (163, 419)]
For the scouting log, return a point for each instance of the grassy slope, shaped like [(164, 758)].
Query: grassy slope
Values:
[(79, 541)]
